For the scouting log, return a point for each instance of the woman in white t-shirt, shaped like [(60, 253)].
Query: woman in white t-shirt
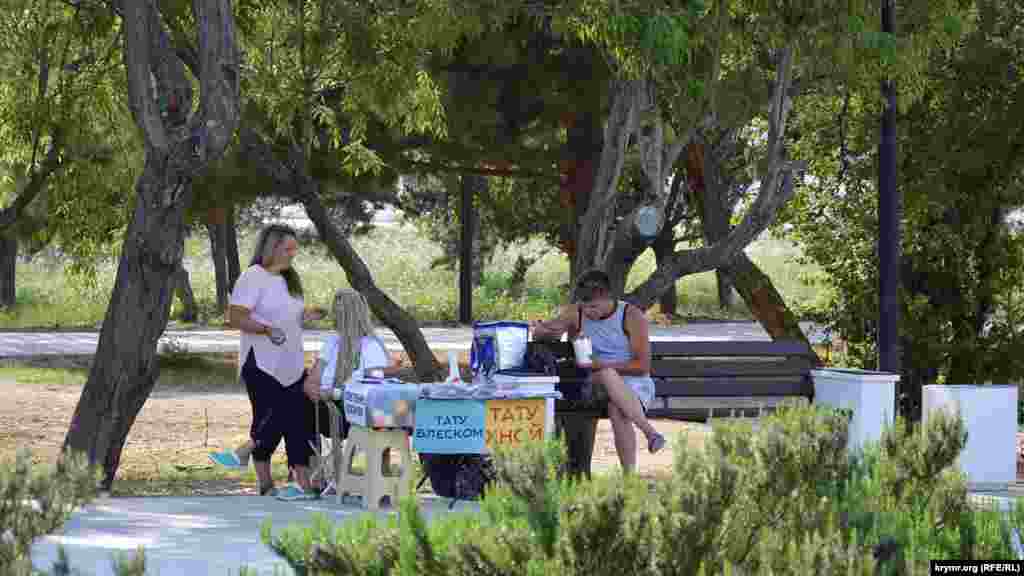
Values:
[(267, 306), (354, 345)]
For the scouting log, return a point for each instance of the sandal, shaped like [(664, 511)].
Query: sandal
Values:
[(292, 492), (655, 443)]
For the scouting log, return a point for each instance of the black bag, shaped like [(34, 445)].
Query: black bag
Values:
[(458, 476), (541, 359)]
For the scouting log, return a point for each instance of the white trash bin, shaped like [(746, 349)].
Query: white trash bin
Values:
[(869, 394), (989, 459)]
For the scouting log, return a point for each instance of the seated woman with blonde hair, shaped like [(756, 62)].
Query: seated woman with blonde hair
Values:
[(354, 345)]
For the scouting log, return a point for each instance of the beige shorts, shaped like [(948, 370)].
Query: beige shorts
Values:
[(642, 387)]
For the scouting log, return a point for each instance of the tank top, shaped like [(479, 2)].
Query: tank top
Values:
[(608, 336)]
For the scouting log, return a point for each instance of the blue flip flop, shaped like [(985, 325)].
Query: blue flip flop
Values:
[(293, 492), (227, 459)]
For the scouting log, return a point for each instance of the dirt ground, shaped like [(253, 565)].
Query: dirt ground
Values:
[(167, 448)]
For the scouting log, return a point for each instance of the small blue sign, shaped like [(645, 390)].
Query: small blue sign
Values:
[(449, 426)]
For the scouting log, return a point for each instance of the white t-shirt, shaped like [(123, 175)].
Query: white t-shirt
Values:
[(267, 298), (372, 354)]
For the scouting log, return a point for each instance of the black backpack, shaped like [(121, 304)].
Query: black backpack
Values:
[(540, 359)]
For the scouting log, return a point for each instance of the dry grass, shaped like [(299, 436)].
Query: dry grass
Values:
[(50, 296), (197, 407)]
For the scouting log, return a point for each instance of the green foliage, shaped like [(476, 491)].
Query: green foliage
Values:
[(961, 154), (340, 66), (130, 564), (784, 498), (701, 58), (641, 39), (530, 487), (35, 502), (63, 91)]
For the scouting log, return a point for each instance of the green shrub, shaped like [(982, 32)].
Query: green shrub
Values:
[(785, 497), (34, 502)]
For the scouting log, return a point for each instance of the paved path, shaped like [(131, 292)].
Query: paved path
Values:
[(22, 344), (199, 535), (221, 534)]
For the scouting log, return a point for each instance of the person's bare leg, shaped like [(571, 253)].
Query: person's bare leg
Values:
[(302, 476), (625, 399), (625, 438), (244, 451), (266, 481)]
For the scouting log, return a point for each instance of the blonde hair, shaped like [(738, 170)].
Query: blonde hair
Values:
[(352, 322)]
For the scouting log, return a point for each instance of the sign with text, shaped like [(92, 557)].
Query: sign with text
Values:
[(449, 426), (513, 422)]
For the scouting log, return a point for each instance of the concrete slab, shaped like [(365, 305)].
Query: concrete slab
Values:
[(221, 534), (200, 535)]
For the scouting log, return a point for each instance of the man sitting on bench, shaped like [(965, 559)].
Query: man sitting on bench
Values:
[(621, 361)]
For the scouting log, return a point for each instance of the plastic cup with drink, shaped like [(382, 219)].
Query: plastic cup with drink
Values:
[(584, 351)]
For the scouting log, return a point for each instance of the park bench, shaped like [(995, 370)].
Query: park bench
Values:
[(693, 381)]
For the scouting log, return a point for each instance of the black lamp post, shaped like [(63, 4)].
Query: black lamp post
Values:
[(888, 222), (466, 251)]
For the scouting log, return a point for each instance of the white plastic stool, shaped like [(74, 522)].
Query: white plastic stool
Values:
[(376, 482)]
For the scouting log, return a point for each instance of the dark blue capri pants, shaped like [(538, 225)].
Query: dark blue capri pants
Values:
[(278, 412)]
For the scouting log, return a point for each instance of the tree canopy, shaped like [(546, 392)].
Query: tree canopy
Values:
[(69, 152), (961, 160)]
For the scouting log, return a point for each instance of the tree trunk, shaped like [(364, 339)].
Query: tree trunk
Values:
[(8, 267), (752, 284), (124, 369), (710, 190), (295, 182), (725, 293), (765, 302), (580, 158), (776, 189), (217, 231), (402, 323), (597, 224), (663, 248), (183, 288), (234, 263), (478, 256), (612, 243), (478, 189)]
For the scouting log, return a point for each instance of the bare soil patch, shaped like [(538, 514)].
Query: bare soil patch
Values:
[(166, 451)]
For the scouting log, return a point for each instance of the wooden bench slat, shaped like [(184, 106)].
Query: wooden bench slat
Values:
[(725, 386), (701, 368), (730, 348), (696, 408), (738, 348), (708, 402)]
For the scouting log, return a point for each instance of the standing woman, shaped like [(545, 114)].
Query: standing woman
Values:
[(267, 306)]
